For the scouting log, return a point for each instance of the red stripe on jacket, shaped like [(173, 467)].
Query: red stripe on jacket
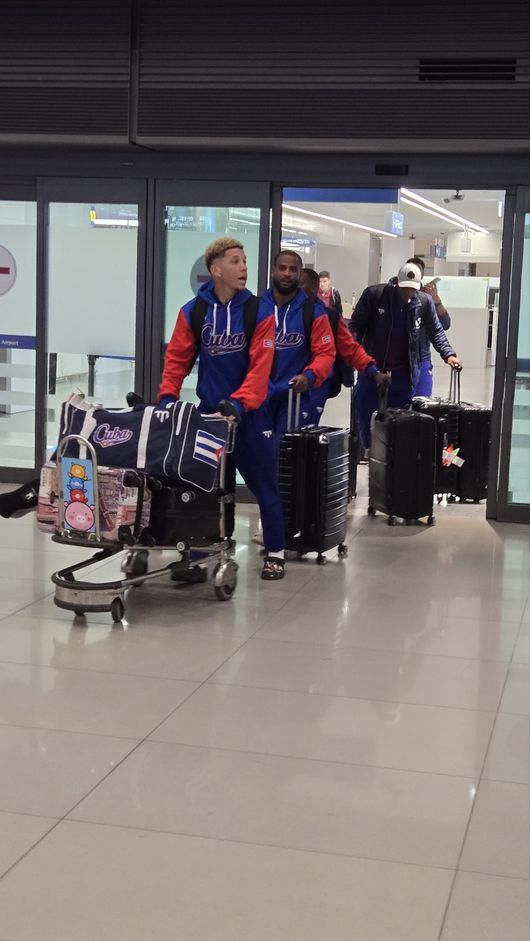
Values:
[(180, 356), (353, 354), (182, 349), (253, 390), (323, 350)]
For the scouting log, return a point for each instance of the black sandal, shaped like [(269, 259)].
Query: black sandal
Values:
[(273, 568)]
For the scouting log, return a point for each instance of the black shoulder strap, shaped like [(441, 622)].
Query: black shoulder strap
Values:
[(333, 317), (198, 314), (308, 315), (250, 317)]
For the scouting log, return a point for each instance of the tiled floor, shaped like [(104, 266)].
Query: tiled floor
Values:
[(341, 755)]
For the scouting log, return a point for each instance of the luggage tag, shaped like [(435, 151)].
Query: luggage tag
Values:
[(78, 492), (450, 456)]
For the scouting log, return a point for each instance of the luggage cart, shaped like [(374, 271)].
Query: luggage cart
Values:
[(192, 563)]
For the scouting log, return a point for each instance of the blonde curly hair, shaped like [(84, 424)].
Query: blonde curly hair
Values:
[(218, 248)]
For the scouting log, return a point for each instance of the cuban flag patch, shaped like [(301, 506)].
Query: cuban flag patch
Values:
[(208, 448)]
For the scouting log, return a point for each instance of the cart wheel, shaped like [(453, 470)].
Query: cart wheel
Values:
[(225, 591), (79, 612), (117, 610), (371, 511), (391, 520), (431, 520), (135, 563), (343, 550)]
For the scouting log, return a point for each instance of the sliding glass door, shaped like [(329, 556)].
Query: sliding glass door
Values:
[(93, 309), (18, 248)]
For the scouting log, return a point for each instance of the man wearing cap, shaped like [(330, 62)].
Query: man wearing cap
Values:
[(387, 321)]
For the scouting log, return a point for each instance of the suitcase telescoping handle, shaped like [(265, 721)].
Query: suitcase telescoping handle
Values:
[(382, 400), (454, 385), (297, 399), (353, 418)]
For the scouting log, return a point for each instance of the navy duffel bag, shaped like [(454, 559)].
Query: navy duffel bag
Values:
[(177, 443)]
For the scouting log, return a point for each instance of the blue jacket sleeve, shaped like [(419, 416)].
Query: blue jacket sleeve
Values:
[(445, 319), (435, 332)]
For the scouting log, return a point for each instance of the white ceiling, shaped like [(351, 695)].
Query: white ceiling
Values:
[(479, 206)]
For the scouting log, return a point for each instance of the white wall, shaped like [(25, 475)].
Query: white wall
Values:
[(395, 254), (482, 247), (344, 253)]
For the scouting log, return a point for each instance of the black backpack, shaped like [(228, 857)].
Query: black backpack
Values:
[(250, 317), (342, 374)]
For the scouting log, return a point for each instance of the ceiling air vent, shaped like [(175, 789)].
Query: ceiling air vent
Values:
[(467, 70), (391, 169)]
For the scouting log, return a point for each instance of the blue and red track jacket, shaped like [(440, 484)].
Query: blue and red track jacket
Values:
[(293, 355), (228, 367)]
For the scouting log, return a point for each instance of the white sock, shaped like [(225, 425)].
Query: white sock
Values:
[(276, 555)]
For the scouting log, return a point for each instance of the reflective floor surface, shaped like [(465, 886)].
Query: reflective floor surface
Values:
[(340, 755)]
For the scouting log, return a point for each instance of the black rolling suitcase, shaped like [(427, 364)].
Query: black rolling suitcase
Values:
[(186, 514), (313, 478), (401, 466), (463, 429), (474, 441), (446, 414)]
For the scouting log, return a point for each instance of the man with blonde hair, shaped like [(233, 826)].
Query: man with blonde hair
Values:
[(234, 334)]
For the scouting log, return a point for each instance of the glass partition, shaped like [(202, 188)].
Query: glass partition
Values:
[(18, 221), (519, 473), (91, 303)]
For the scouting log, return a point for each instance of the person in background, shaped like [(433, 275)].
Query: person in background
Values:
[(388, 320), (424, 384), (237, 371), (349, 351), (329, 295), (304, 351), (302, 358)]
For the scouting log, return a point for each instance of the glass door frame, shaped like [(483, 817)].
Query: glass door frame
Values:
[(219, 193), (516, 207), (62, 190), (23, 192)]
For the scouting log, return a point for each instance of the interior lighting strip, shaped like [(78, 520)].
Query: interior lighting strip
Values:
[(421, 203), (353, 225)]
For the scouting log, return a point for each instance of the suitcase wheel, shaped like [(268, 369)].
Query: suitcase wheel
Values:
[(117, 610), (321, 559), (343, 550), (431, 520), (371, 511), (224, 579), (79, 612), (391, 520)]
